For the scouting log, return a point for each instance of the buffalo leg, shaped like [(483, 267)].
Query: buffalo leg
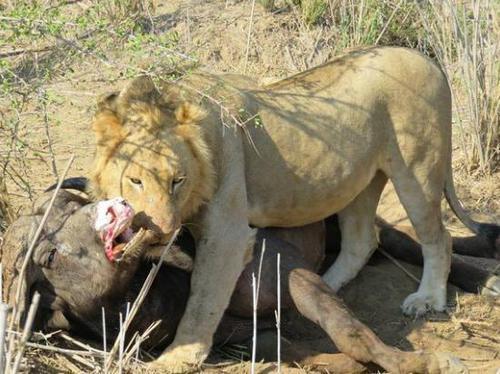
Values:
[(400, 242), (317, 302), (335, 363)]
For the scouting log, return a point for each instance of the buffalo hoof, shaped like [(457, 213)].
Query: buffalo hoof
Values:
[(492, 287)]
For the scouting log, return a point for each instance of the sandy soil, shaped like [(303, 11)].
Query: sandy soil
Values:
[(215, 32)]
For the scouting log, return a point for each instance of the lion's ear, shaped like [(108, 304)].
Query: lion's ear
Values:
[(107, 125), (108, 102), (189, 114)]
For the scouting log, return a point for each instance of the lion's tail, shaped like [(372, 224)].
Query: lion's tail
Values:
[(487, 230)]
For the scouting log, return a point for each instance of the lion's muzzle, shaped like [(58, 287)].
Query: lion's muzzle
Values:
[(160, 229)]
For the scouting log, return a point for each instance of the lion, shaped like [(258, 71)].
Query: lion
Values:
[(222, 156)]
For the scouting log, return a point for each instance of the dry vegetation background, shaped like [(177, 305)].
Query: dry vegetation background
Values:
[(56, 57)]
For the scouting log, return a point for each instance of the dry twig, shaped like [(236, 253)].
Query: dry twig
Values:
[(26, 333), (396, 262), (278, 312), (15, 313), (34, 241), (249, 35), (139, 300)]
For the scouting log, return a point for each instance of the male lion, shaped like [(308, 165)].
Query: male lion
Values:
[(321, 142)]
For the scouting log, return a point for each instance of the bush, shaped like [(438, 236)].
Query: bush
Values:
[(313, 10)]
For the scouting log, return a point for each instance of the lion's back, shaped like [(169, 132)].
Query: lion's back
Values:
[(327, 131)]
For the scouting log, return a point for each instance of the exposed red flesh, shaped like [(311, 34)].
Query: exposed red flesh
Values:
[(114, 218)]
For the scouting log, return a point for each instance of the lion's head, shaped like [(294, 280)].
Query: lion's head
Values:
[(151, 151)]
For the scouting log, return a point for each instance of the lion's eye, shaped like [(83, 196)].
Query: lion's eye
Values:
[(176, 183), (136, 181)]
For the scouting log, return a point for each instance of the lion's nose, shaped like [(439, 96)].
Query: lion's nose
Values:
[(169, 225)]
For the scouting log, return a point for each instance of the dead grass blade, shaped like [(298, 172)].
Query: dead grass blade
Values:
[(34, 241), (138, 301), (26, 334)]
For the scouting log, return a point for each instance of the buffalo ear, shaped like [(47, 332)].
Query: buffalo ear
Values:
[(57, 321)]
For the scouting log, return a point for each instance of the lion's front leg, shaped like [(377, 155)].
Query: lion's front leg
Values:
[(220, 259), (222, 252)]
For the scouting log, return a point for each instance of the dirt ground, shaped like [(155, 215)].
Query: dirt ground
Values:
[(216, 32)]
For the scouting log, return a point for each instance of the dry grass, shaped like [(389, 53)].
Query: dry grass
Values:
[(465, 38)]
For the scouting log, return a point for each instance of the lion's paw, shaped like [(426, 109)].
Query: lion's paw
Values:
[(181, 359), (419, 303), (450, 364)]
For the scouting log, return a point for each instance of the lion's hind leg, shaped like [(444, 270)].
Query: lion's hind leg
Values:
[(420, 190), (359, 239)]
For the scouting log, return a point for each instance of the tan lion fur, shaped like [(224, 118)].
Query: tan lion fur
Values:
[(112, 125), (321, 142)]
